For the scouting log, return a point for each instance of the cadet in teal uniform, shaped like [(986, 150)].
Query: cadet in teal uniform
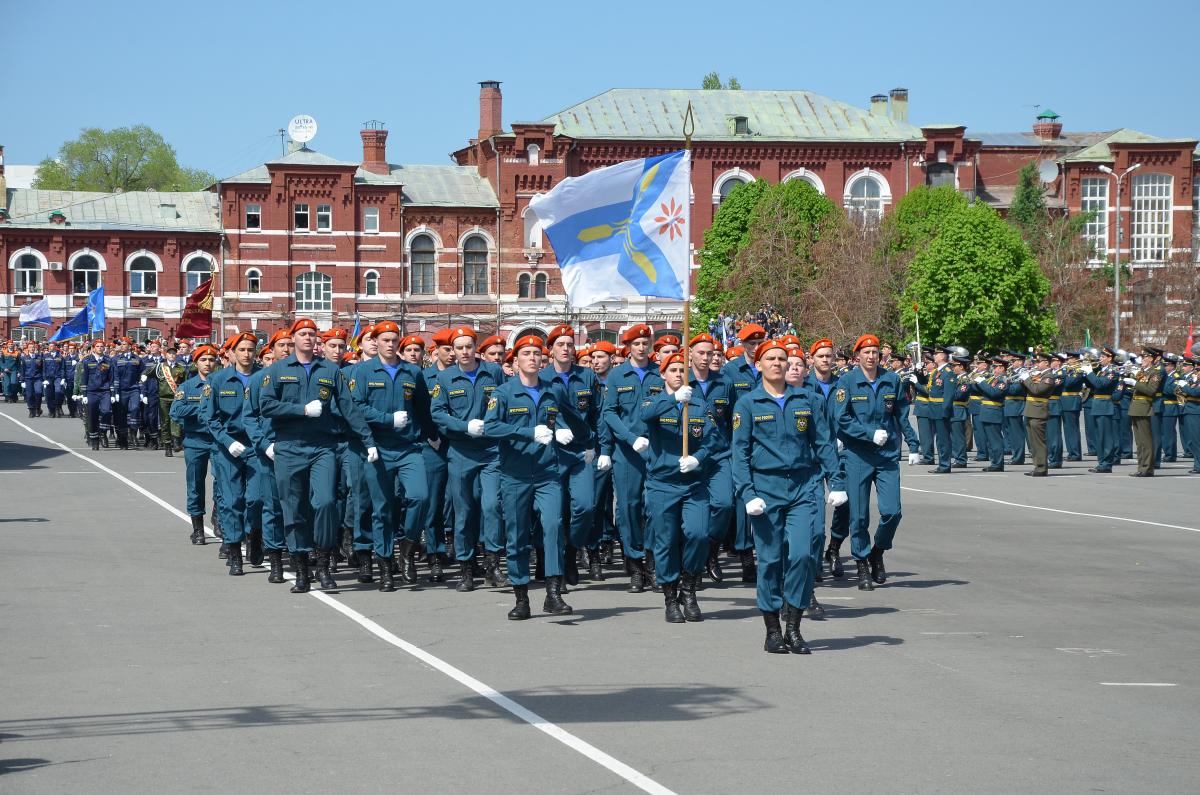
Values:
[(1187, 390), (868, 405), (821, 381), (197, 438), (307, 399), (395, 402), (938, 385), (714, 390), (263, 436), (1103, 382), (1168, 446), (1054, 418), (677, 486), (782, 454), (522, 415), (603, 534), (990, 389), (742, 377), (960, 412)]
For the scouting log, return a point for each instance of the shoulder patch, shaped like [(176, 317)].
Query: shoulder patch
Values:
[(437, 390), (179, 394), (352, 383), (207, 390), (737, 421), (266, 380), (491, 403), (841, 396)]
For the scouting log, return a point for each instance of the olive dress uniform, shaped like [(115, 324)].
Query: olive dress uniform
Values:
[(1141, 409), (1038, 390)]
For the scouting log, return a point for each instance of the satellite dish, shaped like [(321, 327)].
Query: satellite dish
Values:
[(1047, 169), (302, 128)]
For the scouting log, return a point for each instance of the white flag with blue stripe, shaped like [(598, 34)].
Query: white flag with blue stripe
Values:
[(623, 230), (37, 312)]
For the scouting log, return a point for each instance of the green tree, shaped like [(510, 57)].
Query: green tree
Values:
[(1028, 211), (722, 241), (918, 217), (978, 284), (712, 82), (126, 159)]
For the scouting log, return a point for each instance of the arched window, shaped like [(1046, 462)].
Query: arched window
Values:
[(196, 272), (143, 276), (535, 154), (533, 229), (807, 176), (314, 292), (475, 266), (728, 181), (865, 197), (523, 286), (539, 285), (371, 283), (29, 275), (254, 281), (423, 262), (86, 275)]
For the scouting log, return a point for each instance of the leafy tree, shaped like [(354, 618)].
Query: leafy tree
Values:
[(1079, 294), (712, 81), (918, 217), (1028, 211), (978, 284), (722, 241), (126, 159)]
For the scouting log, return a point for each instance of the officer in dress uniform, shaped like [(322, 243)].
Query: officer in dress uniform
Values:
[(960, 412), (1168, 448), (1054, 424), (31, 379), (1070, 402), (1014, 409), (1039, 385), (1145, 386), (1102, 383), (938, 386), (197, 438), (96, 377), (54, 380)]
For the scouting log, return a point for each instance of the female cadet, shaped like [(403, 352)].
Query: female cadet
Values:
[(782, 448), (197, 440), (677, 487)]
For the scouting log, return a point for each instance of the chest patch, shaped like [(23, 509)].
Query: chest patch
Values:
[(764, 418)]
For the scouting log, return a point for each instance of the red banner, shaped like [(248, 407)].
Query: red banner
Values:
[(197, 313)]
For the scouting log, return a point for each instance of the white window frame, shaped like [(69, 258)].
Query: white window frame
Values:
[(370, 220), (153, 269), (543, 281), (369, 277), (856, 206), (255, 210), (144, 334), (253, 281), (1093, 198), (297, 208), (487, 257), (321, 285), (528, 279), (532, 227), (324, 218), (719, 183), (1150, 211), (437, 245), (808, 176), (97, 279), (43, 265), (185, 268)]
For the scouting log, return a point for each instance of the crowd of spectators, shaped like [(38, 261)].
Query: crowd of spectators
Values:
[(726, 325)]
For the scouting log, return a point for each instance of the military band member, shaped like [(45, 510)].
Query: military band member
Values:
[(1102, 383), (1187, 391), (960, 412), (1014, 410), (1168, 447), (990, 388), (1039, 385), (1070, 403), (1145, 385)]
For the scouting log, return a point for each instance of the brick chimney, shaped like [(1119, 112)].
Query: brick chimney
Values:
[(1047, 126), (879, 105), (489, 109), (899, 104), (374, 140)]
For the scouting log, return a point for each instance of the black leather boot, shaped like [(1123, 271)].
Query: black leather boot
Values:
[(650, 575), (595, 567), (275, 556), (95, 443), (198, 530), (520, 610), (713, 564), (554, 604), (387, 582), (435, 568), (791, 632), (864, 576), (815, 611), (255, 547), (235, 560), (671, 601), (491, 570), (300, 564), (223, 552), (571, 566), (687, 597), (878, 572), (168, 451), (466, 579), (364, 566), (833, 559), (637, 576), (607, 552), (408, 564), (774, 643), (324, 576), (749, 568)]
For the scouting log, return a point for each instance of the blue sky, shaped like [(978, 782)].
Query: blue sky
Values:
[(218, 78)]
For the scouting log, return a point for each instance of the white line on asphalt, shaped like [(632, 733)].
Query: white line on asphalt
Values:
[(639, 780), (953, 633), (1052, 510), (1139, 684)]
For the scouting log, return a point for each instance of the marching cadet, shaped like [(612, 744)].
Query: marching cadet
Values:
[(604, 531), (1144, 386), (631, 384), (522, 414), (868, 406), (713, 391), (54, 382), (9, 377), (31, 379), (1070, 402), (990, 389), (1103, 383), (743, 376), (70, 365), (307, 400), (394, 400), (96, 378), (278, 348), (197, 438), (1168, 448), (1054, 420), (781, 450), (960, 412), (459, 401), (682, 444), (1014, 409), (226, 411), (127, 411), (1187, 390), (437, 513), (822, 382), (1039, 384)]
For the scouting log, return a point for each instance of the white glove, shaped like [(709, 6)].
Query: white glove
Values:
[(589, 456), (689, 463), (912, 379), (640, 444), (756, 506), (880, 438), (841, 446), (1026, 377), (1130, 381), (74, 397), (564, 436), (45, 383), (436, 444), (1086, 369), (400, 419), (63, 382), (837, 498), (145, 400), (914, 459), (683, 394), (236, 449), (603, 463), (143, 378), (84, 399), (313, 408), (372, 455), (542, 434), (475, 428), (22, 385), (271, 451)]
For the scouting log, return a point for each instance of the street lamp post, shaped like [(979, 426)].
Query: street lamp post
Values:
[(1120, 235)]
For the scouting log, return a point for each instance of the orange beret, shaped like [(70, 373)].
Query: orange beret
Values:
[(336, 334), (606, 347), (204, 350), (263, 351), (545, 350), (824, 342), (790, 340), (282, 334), (237, 339), (490, 341), (385, 327), (624, 351), (699, 338), (412, 339), (751, 332), (301, 323), (561, 330), (124, 340), (667, 361), (527, 340), (769, 345), (460, 331), (508, 356), (866, 341), (228, 343), (97, 342), (666, 339), (734, 352), (636, 332), (581, 352)]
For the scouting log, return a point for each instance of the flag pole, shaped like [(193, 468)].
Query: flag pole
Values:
[(689, 126)]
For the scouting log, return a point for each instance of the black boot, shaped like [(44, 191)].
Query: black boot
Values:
[(595, 568), (833, 559), (791, 633), (364, 567), (493, 571), (300, 564), (713, 565), (878, 572), (554, 604), (571, 567), (606, 552), (466, 579), (671, 601), (408, 564), (387, 582), (774, 643), (749, 569), (687, 597), (95, 443), (815, 611), (637, 575), (168, 451), (223, 552), (864, 576), (198, 530), (255, 547), (324, 576), (275, 556), (235, 560), (520, 610), (650, 573), (435, 568)]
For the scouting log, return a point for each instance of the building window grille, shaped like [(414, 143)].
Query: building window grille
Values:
[(314, 292), (475, 266), (143, 277), (1093, 198), (423, 260), (1150, 207)]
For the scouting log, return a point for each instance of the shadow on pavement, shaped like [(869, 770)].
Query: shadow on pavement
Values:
[(17, 457), (837, 644)]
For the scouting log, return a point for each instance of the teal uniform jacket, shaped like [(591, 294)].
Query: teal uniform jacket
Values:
[(938, 389), (663, 417), (861, 410), (991, 399), (1170, 404), (623, 402), (379, 396), (1014, 399), (960, 403), (1189, 387), (511, 417), (286, 388), (718, 402), (186, 412), (226, 410), (455, 400), (1072, 386), (1103, 383), (742, 378), (774, 441), (578, 405)]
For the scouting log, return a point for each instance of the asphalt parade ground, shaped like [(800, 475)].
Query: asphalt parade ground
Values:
[(1035, 635)]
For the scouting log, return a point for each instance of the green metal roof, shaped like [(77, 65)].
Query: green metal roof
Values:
[(1048, 114), (1100, 152), (657, 113), (166, 210)]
